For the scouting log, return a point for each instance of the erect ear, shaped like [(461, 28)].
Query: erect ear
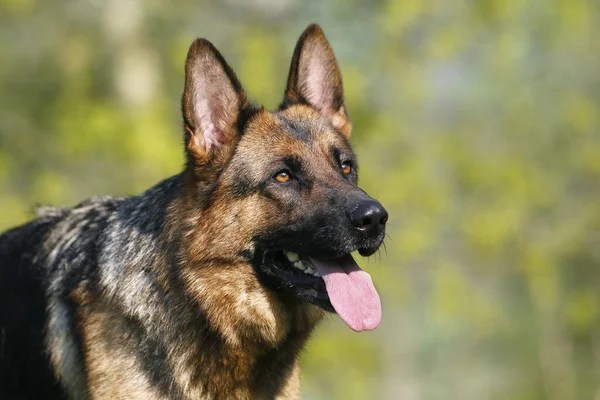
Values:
[(315, 79), (212, 103)]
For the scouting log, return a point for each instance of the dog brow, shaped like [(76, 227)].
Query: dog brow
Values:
[(298, 131)]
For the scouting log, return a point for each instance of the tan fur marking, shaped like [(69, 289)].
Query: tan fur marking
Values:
[(291, 390), (112, 372), (240, 307)]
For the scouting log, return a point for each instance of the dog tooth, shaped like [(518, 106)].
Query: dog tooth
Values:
[(317, 274), (299, 265), (309, 270), (293, 257)]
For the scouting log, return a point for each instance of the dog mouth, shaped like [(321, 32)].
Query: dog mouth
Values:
[(336, 284)]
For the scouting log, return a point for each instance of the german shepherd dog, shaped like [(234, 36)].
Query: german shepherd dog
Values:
[(208, 285)]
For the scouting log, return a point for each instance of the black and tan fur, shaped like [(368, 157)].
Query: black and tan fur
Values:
[(182, 292)]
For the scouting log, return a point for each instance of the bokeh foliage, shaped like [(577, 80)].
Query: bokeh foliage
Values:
[(477, 126)]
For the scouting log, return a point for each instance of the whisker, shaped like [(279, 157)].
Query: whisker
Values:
[(387, 236)]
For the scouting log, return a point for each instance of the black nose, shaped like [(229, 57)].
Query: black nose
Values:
[(369, 217)]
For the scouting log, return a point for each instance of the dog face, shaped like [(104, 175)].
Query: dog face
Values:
[(287, 178)]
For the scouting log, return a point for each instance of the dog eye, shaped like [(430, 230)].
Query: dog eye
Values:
[(282, 176), (346, 167)]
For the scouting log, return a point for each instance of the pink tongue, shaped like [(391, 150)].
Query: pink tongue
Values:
[(351, 292)]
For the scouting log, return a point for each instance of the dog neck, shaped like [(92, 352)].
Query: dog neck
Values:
[(256, 330)]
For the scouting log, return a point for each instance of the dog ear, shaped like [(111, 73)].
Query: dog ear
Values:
[(315, 79), (212, 103)]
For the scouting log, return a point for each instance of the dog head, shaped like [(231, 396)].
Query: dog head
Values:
[(286, 180)]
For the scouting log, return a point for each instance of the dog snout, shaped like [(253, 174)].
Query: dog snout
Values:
[(369, 218)]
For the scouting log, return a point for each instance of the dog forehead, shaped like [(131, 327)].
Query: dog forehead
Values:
[(298, 130)]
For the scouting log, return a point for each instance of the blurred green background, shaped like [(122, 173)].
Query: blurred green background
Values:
[(477, 125)]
